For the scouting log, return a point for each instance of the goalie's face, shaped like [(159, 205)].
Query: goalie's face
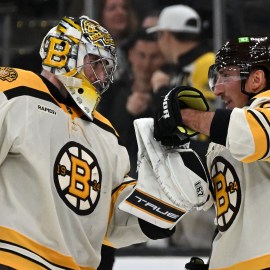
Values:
[(226, 83), (98, 71)]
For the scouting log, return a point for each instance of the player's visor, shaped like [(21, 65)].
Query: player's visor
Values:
[(220, 75)]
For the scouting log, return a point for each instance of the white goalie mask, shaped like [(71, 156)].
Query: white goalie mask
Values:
[(78, 51)]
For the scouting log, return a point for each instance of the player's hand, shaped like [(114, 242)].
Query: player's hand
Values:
[(169, 128), (167, 118), (138, 102), (160, 79)]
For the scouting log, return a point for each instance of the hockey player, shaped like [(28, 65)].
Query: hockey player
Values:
[(63, 171), (239, 153)]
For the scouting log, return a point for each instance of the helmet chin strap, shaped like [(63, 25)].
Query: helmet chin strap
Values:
[(250, 95), (83, 93), (243, 83)]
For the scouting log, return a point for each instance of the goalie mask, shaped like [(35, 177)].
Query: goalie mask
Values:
[(237, 58), (81, 53)]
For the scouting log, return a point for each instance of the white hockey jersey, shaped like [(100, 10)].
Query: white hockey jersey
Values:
[(61, 179), (240, 174)]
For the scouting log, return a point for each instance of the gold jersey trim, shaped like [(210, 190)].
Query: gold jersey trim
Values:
[(20, 252)]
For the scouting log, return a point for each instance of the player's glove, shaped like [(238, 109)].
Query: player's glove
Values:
[(196, 264), (171, 182), (168, 125)]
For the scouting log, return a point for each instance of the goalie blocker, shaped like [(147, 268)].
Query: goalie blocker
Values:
[(171, 182)]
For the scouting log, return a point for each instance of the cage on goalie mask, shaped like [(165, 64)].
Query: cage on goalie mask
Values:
[(244, 54), (71, 47)]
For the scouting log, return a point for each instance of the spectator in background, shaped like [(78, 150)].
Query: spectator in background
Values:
[(188, 58), (150, 19), (120, 19), (186, 54), (131, 97)]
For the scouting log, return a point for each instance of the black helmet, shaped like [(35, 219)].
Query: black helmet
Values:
[(247, 53)]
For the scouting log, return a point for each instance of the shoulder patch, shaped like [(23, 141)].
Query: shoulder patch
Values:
[(18, 82), (8, 74)]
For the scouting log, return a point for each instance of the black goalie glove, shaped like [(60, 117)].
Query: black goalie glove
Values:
[(168, 124)]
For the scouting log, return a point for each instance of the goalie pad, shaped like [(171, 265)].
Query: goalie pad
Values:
[(167, 186)]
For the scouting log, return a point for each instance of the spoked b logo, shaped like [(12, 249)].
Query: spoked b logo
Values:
[(227, 192), (77, 177)]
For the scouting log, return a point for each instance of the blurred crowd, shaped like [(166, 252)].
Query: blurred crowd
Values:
[(156, 51)]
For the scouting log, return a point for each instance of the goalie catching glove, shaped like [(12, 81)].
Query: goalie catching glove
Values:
[(171, 182), (169, 128)]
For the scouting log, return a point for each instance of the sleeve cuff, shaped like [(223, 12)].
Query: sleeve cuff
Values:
[(219, 126)]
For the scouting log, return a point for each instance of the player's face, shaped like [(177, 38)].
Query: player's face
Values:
[(145, 58), (94, 68), (97, 71), (228, 86)]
